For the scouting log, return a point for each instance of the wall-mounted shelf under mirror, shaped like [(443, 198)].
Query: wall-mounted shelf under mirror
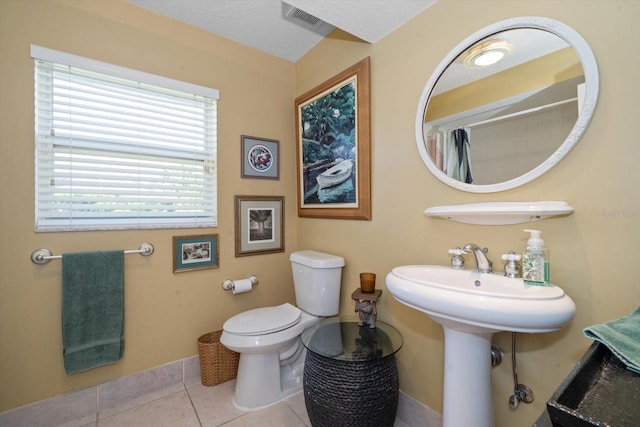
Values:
[(500, 213)]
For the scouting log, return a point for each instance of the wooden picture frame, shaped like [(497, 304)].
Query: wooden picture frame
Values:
[(260, 157), (333, 147), (259, 225), (192, 253)]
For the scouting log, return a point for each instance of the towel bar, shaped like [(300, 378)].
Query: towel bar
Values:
[(43, 256)]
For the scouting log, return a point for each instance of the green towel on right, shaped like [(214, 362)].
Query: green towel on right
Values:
[(622, 337), (92, 309)]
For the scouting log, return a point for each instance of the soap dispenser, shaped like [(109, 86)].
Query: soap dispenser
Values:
[(535, 261)]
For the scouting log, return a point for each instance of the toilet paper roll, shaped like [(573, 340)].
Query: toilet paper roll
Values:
[(242, 286)]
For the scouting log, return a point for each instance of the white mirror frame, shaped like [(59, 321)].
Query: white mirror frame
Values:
[(589, 65)]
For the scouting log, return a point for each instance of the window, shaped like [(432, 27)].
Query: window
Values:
[(121, 149)]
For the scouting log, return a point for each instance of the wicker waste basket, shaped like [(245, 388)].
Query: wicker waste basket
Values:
[(218, 364)]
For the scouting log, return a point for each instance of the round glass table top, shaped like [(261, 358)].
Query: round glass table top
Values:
[(342, 339)]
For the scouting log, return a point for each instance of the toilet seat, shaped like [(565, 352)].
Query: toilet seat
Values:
[(261, 321)]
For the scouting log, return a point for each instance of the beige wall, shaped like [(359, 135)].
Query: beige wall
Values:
[(165, 312), (593, 251)]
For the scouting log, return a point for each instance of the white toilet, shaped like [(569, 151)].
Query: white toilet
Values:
[(268, 339)]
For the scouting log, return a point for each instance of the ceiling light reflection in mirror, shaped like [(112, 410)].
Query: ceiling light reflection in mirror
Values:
[(487, 53)]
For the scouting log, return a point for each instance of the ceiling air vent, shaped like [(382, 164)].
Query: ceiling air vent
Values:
[(303, 16), (300, 17), (305, 20)]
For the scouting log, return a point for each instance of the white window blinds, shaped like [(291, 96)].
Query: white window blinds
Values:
[(114, 152)]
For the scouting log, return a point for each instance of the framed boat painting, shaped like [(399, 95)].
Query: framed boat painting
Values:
[(333, 147)]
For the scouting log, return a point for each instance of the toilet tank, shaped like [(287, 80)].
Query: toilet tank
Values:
[(316, 279)]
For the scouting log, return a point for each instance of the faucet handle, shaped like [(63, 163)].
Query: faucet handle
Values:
[(511, 267), (457, 261), (512, 256)]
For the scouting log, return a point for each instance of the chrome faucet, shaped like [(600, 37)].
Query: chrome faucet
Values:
[(483, 263)]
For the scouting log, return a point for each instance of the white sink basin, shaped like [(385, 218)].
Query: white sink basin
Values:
[(480, 302), (471, 307)]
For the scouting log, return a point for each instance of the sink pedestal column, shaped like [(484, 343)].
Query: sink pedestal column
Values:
[(467, 379)]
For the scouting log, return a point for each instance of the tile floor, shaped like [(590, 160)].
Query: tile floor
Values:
[(198, 405)]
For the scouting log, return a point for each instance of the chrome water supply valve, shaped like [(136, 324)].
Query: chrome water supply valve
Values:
[(521, 393)]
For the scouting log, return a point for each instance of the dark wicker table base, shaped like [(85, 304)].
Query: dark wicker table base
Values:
[(339, 393)]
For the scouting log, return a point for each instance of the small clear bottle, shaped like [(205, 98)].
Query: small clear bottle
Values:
[(535, 261)]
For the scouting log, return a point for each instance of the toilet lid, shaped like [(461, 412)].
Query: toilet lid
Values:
[(264, 320)]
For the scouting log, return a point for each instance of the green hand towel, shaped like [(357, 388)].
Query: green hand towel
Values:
[(92, 309), (622, 337)]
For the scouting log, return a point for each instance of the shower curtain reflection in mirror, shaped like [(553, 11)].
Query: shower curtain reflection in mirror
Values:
[(451, 152)]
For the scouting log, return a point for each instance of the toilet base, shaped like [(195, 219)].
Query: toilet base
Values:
[(262, 381)]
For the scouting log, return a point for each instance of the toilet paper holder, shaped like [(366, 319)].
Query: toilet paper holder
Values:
[(229, 285)]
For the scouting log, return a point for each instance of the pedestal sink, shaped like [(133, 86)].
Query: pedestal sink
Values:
[(471, 307)]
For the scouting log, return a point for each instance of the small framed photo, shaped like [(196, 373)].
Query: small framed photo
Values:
[(195, 252), (259, 225), (260, 158)]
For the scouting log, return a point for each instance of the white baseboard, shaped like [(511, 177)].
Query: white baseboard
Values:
[(85, 406), (416, 414)]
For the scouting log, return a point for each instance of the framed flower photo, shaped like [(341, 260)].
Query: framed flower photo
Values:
[(259, 225), (260, 158)]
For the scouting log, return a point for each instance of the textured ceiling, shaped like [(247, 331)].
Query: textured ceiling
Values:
[(369, 20), (265, 24)]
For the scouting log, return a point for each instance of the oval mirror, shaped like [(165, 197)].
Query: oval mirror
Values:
[(484, 126)]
